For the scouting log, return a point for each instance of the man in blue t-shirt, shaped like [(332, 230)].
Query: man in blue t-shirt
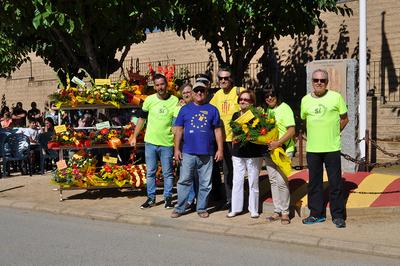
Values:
[(197, 128)]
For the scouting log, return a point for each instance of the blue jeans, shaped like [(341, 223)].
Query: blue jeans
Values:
[(203, 165), (164, 154), (193, 190)]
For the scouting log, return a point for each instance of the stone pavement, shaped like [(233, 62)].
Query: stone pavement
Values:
[(369, 230)]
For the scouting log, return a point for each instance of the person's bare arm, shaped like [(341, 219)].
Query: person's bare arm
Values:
[(288, 135), (138, 127), (344, 119), (219, 155), (177, 143)]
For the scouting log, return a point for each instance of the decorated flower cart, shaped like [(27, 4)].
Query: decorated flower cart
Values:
[(83, 170)]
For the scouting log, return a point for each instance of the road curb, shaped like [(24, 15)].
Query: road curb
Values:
[(370, 211), (207, 226)]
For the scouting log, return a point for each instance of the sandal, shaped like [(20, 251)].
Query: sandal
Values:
[(274, 217), (203, 214), (285, 220)]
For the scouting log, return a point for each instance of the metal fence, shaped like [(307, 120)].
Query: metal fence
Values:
[(384, 82), (383, 79), (186, 70)]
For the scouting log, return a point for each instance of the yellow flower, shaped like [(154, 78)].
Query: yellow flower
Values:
[(123, 84), (65, 138), (245, 128), (255, 122)]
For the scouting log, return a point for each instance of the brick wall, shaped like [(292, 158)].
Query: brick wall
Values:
[(383, 43)]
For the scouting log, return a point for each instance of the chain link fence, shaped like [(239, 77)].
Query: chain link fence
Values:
[(362, 162), (370, 165)]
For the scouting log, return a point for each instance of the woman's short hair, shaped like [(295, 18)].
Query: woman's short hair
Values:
[(250, 93), (184, 85), (269, 90)]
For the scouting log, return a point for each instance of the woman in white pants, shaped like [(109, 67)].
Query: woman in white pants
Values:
[(247, 157), (284, 120)]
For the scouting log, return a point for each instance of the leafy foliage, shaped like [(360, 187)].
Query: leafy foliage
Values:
[(236, 29), (11, 56), (73, 34)]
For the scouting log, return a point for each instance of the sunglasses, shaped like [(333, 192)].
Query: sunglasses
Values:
[(199, 89), (319, 80), (270, 96), (245, 100), (224, 78)]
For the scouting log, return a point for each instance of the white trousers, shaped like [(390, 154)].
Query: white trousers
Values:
[(279, 187), (240, 166)]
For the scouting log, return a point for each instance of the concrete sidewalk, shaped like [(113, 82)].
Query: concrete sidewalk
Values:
[(371, 231)]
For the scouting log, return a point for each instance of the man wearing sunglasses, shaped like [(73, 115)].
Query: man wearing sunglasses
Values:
[(325, 113), (226, 101), (197, 129), (217, 190)]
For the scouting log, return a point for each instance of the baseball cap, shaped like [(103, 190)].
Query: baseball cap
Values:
[(202, 78), (199, 84)]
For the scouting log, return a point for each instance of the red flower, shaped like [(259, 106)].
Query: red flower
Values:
[(107, 168), (104, 131), (87, 143), (263, 131)]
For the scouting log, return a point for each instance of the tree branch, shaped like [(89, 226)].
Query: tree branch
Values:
[(217, 51), (91, 53), (124, 54), (65, 44)]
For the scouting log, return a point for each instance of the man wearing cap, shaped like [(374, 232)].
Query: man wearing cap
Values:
[(217, 188), (197, 129), (226, 101)]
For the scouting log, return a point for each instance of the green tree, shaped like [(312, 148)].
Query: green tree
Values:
[(236, 29), (93, 34), (11, 56)]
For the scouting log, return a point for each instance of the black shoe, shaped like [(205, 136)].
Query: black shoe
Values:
[(227, 206), (190, 206), (168, 203), (339, 222), (148, 204), (313, 220)]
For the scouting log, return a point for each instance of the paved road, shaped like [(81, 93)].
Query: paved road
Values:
[(31, 238)]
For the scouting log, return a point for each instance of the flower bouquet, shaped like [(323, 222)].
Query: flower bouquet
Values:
[(72, 95), (123, 174), (70, 137), (112, 137), (80, 167), (259, 127), (254, 126), (106, 94), (135, 87), (122, 92), (169, 72)]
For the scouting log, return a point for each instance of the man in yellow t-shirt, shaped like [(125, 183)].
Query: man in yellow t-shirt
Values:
[(226, 101), (325, 113)]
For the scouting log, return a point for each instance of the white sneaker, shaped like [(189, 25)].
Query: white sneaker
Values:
[(231, 214), (255, 215)]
